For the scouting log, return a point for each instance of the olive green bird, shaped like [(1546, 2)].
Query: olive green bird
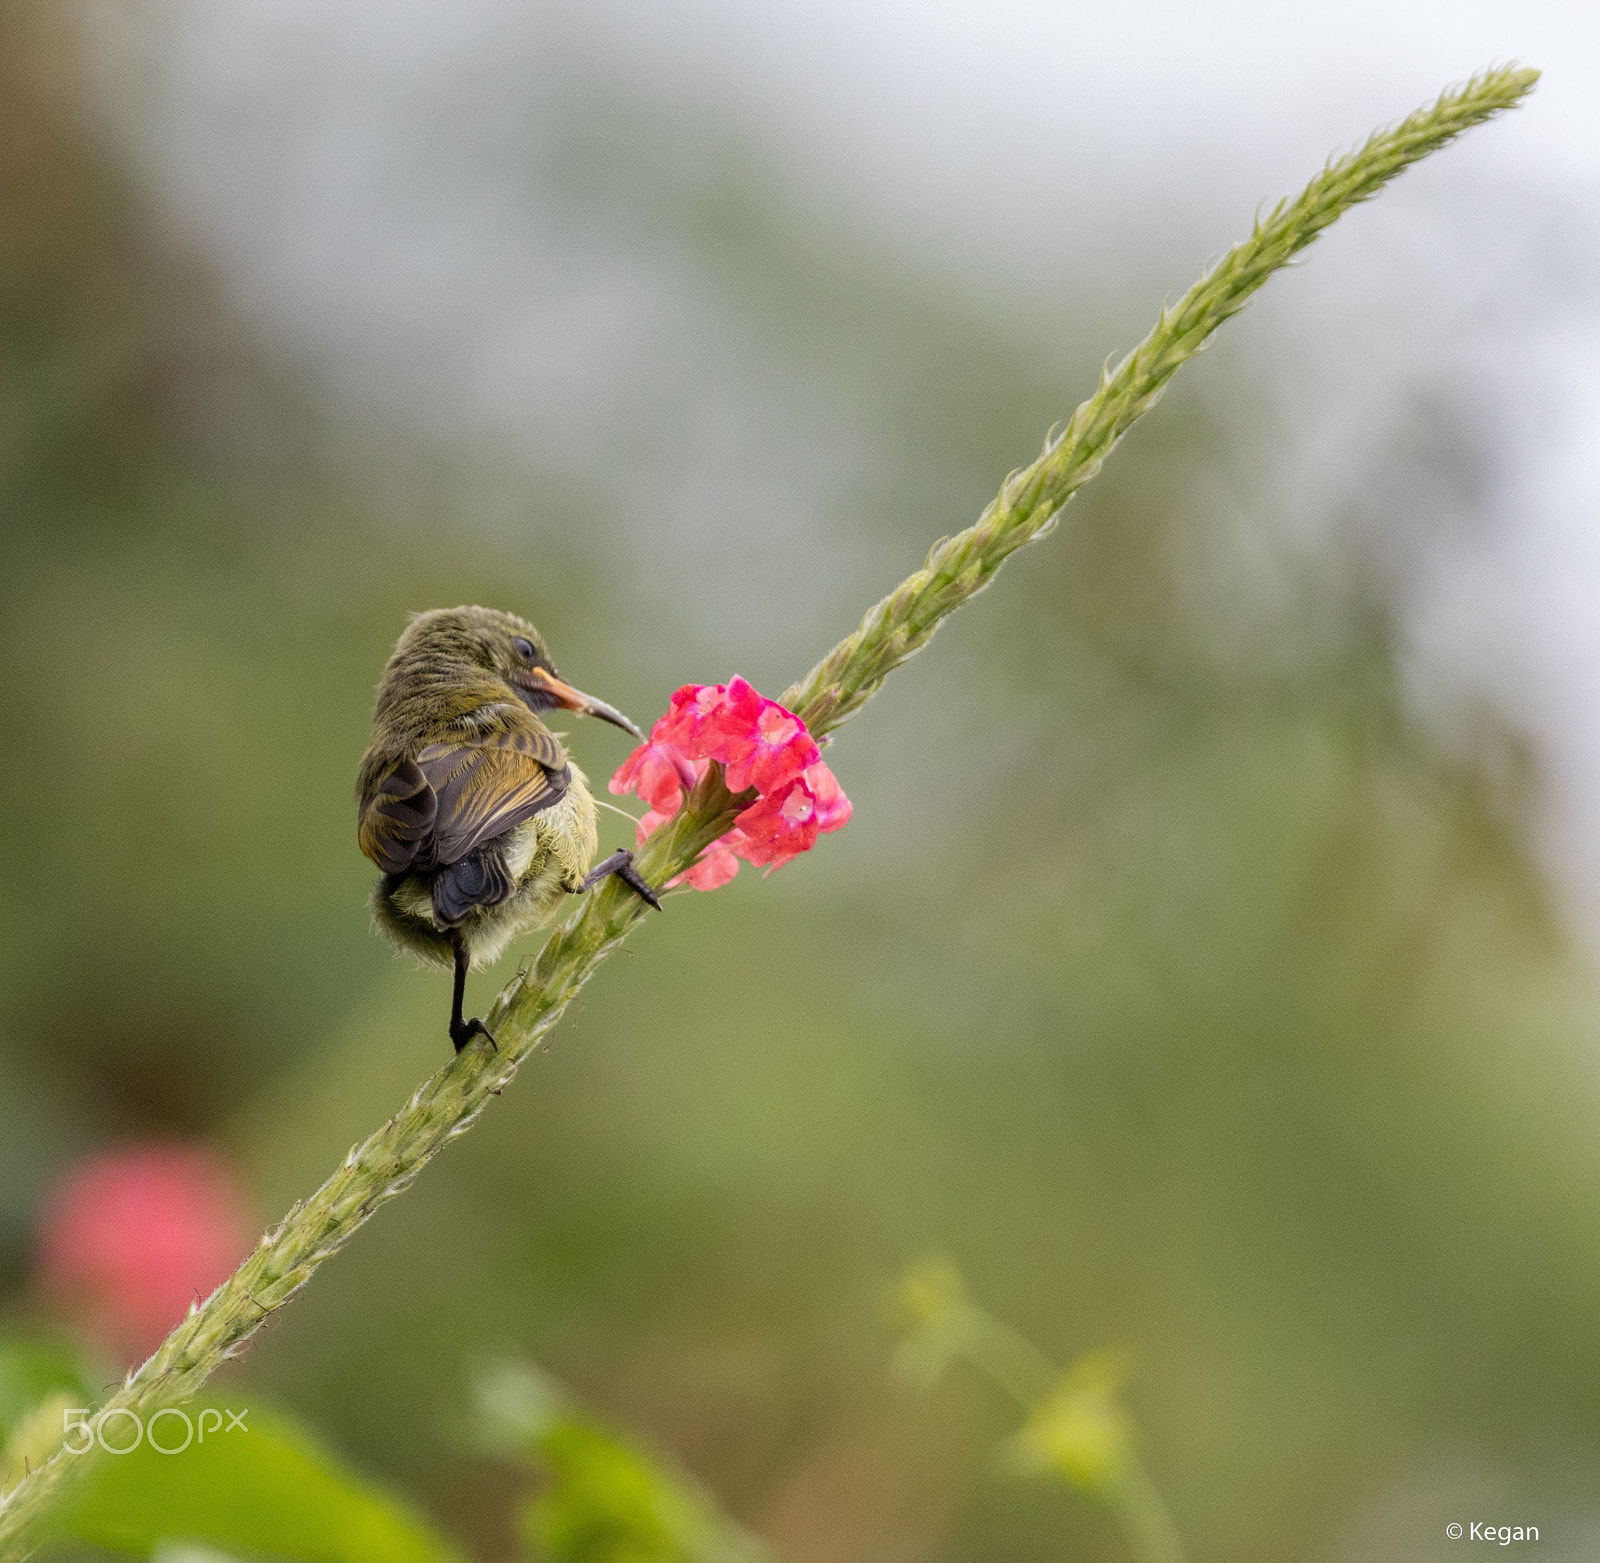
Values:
[(469, 806)]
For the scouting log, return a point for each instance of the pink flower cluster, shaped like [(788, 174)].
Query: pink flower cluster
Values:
[(758, 744)]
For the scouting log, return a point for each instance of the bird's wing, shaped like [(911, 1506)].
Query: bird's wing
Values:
[(397, 820), (487, 786), (463, 791)]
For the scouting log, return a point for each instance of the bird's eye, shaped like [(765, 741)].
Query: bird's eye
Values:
[(524, 648)]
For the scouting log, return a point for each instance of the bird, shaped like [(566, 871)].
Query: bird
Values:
[(468, 805)]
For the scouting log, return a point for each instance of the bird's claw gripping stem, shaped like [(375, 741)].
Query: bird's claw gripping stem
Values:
[(463, 1031), (620, 863)]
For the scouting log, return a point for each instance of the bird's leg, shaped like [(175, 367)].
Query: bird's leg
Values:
[(463, 1031), (620, 863)]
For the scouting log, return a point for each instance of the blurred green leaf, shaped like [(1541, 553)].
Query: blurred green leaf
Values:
[(609, 1500), (609, 1504), (34, 1438), (31, 1370), (269, 1488), (1076, 1428)]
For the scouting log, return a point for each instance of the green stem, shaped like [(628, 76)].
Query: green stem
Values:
[(1007, 1356), (1142, 1516), (447, 1105)]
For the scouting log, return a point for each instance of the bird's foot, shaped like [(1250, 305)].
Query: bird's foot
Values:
[(620, 863), (463, 1031)]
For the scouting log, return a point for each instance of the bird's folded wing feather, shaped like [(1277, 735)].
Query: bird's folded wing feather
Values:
[(463, 791), (397, 820)]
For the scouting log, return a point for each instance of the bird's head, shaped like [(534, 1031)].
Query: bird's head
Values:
[(487, 640)]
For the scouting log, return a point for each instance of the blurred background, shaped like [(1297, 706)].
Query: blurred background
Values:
[(1231, 1001)]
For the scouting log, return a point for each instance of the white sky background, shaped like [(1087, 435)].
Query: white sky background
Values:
[(1007, 144)]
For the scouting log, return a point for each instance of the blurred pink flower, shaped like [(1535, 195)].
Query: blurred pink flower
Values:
[(128, 1239)]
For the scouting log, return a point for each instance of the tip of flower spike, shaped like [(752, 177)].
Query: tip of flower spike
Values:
[(1512, 78)]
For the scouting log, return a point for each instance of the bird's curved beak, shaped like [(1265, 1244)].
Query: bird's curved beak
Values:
[(558, 693)]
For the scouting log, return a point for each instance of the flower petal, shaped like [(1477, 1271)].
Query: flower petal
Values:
[(775, 766), (833, 808), (778, 827), (659, 772), (714, 870), (685, 719), (728, 733)]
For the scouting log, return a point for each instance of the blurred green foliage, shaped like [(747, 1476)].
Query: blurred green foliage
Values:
[(604, 1499), (31, 1370), (268, 1488), (1076, 1426), (1168, 975)]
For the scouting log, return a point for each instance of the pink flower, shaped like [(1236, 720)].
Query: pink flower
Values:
[(781, 826), (759, 743), (664, 767), (127, 1241), (649, 823), (659, 772), (686, 716), (833, 808), (716, 868)]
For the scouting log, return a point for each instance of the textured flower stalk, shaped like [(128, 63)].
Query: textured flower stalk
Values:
[(1029, 501), (447, 1105)]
